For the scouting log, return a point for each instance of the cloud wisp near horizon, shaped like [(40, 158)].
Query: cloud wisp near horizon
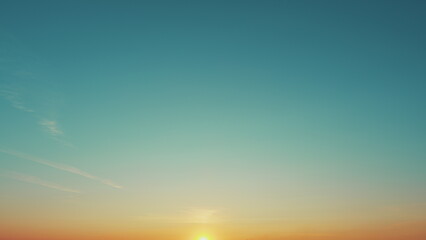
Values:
[(62, 167), (186, 216)]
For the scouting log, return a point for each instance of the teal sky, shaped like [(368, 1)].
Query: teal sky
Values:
[(211, 102)]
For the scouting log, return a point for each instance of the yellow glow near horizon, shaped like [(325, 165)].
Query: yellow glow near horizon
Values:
[(203, 238)]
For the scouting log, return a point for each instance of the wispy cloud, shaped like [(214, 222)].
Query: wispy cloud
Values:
[(62, 167), (51, 127), (15, 99), (35, 180)]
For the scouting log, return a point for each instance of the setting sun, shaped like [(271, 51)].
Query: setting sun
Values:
[(203, 238)]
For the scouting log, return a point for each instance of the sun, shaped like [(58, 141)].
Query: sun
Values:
[(203, 238)]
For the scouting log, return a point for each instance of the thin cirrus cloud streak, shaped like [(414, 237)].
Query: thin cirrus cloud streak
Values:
[(35, 180), (15, 98), (62, 167), (51, 127)]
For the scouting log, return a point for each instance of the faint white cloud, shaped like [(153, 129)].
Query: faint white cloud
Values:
[(51, 127), (15, 99), (62, 167), (35, 180)]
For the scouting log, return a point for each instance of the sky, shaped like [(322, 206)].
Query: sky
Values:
[(232, 120)]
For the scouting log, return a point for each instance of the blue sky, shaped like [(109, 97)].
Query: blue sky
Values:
[(308, 97)]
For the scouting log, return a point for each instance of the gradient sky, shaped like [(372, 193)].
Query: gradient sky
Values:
[(259, 120)]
